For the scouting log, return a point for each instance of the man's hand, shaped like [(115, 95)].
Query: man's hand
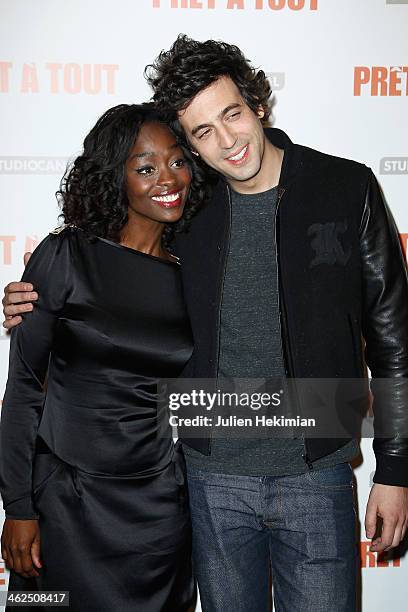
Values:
[(391, 505), (20, 546), (17, 300)]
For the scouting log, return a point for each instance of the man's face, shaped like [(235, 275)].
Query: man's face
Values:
[(226, 133)]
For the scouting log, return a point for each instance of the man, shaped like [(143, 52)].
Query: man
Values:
[(293, 259)]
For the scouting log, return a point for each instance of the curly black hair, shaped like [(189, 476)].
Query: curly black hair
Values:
[(92, 193), (178, 75)]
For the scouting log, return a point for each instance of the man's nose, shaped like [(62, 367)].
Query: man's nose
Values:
[(226, 138)]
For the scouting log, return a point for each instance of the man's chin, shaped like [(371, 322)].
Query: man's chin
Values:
[(243, 174)]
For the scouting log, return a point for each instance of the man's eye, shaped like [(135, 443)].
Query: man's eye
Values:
[(146, 170), (203, 134)]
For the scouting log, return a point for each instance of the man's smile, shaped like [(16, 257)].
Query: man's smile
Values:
[(239, 157)]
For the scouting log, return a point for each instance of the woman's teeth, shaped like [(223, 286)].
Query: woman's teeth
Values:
[(167, 198)]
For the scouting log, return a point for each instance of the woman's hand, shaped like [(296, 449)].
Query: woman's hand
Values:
[(20, 546), (17, 300)]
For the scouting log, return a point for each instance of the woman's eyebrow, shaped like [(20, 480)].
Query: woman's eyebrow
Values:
[(151, 153)]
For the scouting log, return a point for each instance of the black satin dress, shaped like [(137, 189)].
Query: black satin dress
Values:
[(90, 457)]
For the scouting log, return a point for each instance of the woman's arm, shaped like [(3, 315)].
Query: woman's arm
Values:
[(20, 546), (30, 348)]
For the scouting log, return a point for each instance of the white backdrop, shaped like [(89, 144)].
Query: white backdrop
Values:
[(341, 86)]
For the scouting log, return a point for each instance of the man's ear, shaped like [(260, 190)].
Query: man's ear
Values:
[(260, 112)]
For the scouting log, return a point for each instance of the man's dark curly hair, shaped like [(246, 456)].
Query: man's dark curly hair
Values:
[(190, 66), (92, 193)]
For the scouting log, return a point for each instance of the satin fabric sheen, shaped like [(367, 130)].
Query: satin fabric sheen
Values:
[(91, 458)]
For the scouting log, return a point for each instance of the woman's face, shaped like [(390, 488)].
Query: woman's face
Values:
[(157, 175)]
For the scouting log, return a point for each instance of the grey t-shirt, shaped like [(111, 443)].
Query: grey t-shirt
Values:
[(250, 343)]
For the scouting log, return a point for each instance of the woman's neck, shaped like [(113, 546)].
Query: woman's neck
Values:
[(143, 235)]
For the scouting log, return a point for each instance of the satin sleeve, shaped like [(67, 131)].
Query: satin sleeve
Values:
[(50, 272)]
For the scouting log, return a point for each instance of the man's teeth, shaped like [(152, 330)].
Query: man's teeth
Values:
[(167, 198), (239, 156)]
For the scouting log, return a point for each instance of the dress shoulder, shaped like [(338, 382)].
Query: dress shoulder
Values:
[(50, 267), (65, 227)]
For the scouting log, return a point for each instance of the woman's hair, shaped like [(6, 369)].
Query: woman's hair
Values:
[(92, 193), (190, 66)]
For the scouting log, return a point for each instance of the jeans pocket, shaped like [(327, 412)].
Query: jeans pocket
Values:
[(336, 478)]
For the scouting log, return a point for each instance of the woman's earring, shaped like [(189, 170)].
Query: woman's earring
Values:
[(195, 153)]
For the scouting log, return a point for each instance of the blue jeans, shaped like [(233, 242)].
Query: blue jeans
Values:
[(302, 526)]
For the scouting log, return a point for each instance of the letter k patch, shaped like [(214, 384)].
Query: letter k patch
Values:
[(326, 244)]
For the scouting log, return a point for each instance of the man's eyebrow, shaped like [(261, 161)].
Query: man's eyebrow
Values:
[(220, 116), (150, 153)]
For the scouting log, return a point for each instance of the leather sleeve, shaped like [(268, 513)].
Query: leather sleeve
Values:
[(385, 330)]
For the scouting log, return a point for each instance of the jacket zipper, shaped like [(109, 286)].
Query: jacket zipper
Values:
[(287, 354), (224, 268), (281, 191), (221, 291)]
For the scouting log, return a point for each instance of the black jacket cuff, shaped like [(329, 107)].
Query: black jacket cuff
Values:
[(391, 470)]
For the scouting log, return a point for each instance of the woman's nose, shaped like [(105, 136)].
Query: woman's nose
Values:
[(166, 177)]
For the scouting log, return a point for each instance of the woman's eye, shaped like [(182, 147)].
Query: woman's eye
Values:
[(234, 115), (146, 170), (179, 163)]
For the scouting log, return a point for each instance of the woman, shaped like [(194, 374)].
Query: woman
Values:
[(89, 473)]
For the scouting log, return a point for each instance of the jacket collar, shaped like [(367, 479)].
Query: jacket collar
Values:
[(292, 160)]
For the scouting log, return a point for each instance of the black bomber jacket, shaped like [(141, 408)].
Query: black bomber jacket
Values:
[(330, 299)]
